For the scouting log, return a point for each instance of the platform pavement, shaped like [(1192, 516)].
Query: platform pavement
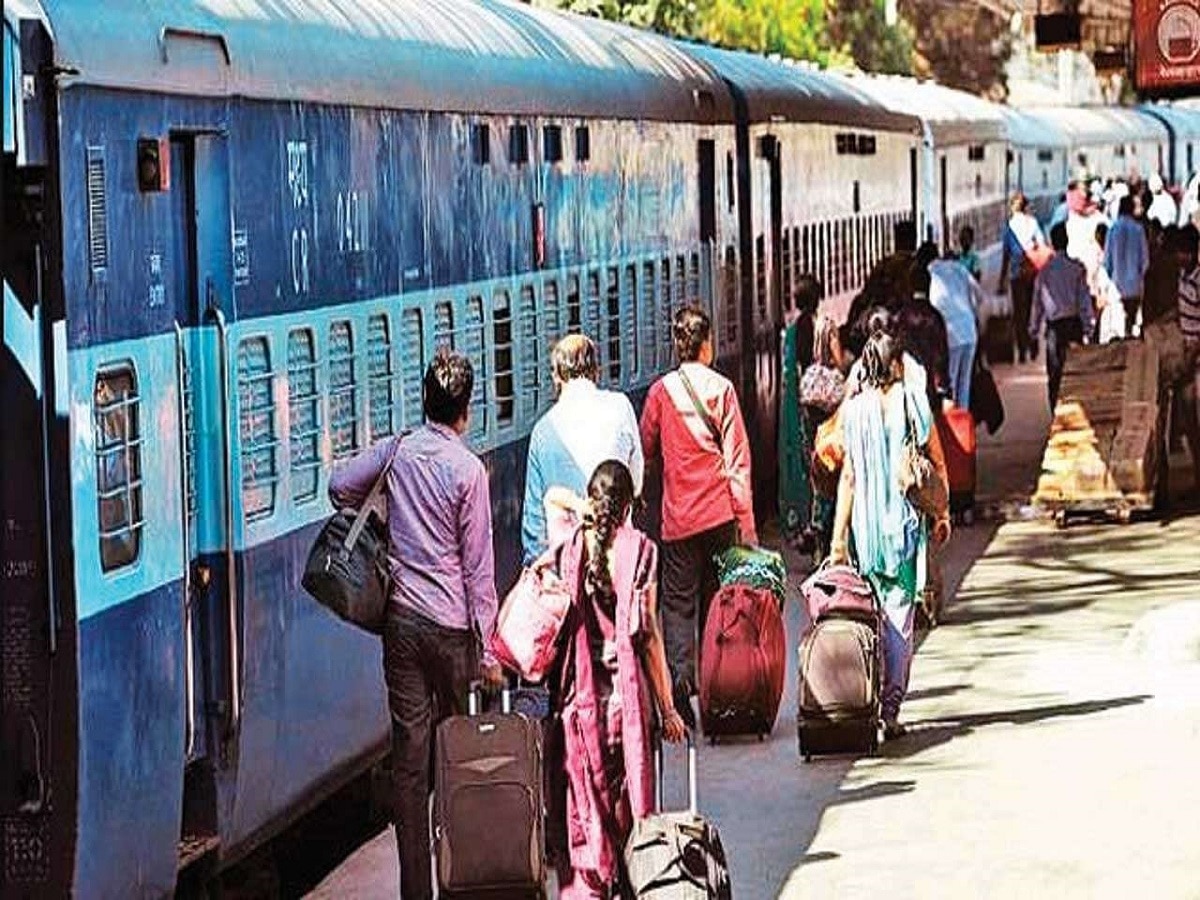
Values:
[(1049, 755)]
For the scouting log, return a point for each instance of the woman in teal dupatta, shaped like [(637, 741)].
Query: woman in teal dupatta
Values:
[(795, 437), (888, 536)]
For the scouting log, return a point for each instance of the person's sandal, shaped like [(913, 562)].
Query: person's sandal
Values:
[(892, 730)]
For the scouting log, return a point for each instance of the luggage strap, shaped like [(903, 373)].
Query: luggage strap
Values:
[(702, 411), (668, 877), (364, 509)]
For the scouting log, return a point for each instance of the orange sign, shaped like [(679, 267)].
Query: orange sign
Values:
[(1166, 35)]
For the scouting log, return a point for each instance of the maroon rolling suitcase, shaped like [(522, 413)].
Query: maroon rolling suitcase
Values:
[(742, 662), (489, 811)]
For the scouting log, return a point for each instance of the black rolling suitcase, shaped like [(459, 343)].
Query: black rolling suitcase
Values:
[(489, 812), (840, 675), (676, 855)]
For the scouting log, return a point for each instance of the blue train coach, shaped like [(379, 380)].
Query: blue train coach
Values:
[(234, 234)]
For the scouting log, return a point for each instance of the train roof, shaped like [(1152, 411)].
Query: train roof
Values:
[(1099, 124), (953, 117), (493, 56), (1183, 120), (1025, 130), (775, 90)]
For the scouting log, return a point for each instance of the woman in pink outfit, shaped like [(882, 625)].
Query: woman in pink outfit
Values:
[(613, 674)]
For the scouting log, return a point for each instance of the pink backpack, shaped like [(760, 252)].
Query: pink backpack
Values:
[(840, 592), (531, 619)]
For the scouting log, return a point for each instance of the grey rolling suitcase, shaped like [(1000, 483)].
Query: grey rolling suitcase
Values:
[(676, 855), (840, 668)]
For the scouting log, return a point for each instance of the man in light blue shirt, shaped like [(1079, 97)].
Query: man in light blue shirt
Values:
[(585, 427), (1126, 258)]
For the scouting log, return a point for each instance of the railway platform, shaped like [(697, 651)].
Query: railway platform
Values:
[(1054, 721)]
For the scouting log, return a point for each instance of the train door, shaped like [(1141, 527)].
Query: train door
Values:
[(201, 265), (707, 159)]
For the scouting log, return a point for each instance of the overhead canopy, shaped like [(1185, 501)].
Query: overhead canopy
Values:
[(776, 90), (953, 117), (453, 55)]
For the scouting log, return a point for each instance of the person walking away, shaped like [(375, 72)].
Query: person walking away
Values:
[(1162, 275), (1126, 259), (1188, 243), (921, 331), (1022, 235), (966, 252), (586, 426), (1162, 205), (1110, 310), (1060, 300), (828, 355), (887, 284), (612, 667), (692, 425), (442, 608), (956, 295), (795, 442), (890, 537)]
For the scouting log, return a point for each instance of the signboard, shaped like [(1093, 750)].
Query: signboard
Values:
[(1166, 46)]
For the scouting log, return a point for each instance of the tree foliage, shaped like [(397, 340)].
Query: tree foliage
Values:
[(960, 44)]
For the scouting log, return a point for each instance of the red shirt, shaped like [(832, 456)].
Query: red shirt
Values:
[(702, 487)]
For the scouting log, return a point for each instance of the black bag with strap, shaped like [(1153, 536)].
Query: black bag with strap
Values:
[(347, 569)]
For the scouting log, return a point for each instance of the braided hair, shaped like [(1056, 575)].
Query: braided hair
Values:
[(610, 496), (881, 350)]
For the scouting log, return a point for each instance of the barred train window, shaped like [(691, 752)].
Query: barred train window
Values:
[(612, 326), (118, 466), (412, 367), (732, 309), (304, 426), (502, 356), (629, 317), (531, 357), (381, 377), (665, 344), (443, 325), (649, 318), (694, 279), (785, 272), (256, 428), (472, 346), (592, 314), (574, 312), (681, 296), (760, 278), (343, 391), (552, 326)]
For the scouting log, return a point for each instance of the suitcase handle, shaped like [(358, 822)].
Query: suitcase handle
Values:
[(693, 760), (474, 693)]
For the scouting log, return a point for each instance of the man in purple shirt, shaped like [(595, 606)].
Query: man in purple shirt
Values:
[(443, 592)]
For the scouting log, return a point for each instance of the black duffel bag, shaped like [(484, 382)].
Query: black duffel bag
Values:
[(347, 569)]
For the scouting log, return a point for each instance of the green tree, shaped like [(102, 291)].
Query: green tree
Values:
[(962, 45), (860, 29)]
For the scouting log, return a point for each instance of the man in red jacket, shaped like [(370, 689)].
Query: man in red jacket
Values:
[(693, 424)]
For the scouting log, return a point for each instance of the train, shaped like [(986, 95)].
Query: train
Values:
[(234, 234)]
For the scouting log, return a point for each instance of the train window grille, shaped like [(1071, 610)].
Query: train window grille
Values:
[(732, 325), (530, 353), (612, 325), (786, 269), (116, 409), (97, 205), (797, 264), (518, 144), (304, 425), (502, 357), (860, 274), (649, 318), (803, 263), (694, 279), (481, 144), (443, 325), (343, 391), (552, 143), (681, 294), (381, 377), (552, 318), (730, 181), (666, 346), (847, 255), (592, 315), (1045, 154), (412, 367), (583, 144), (256, 428), (975, 153), (471, 341), (631, 314), (760, 278), (835, 256), (574, 309)]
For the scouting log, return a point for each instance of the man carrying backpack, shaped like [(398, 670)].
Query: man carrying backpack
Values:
[(692, 423)]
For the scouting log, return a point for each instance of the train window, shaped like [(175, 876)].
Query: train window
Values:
[(583, 144), (648, 318), (530, 353), (472, 346), (694, 280), (343, 391), (97, 199), (412, 367), (664, 314), (1045, 154), (592, 313), (116, 407), (786, 269), (304, 423), (574, 314), (552, 327), (256, 428), (730, 181), (732, 323), (502, 357), (381, 377), (481, 144), (975, 153), (842, 142), (666, 282), (552, 143), (443, 325), (833, 251), (1119, 151), (819, 256), (612, 326), (760, 278), (518, 143), (804, 265), (681, 294)]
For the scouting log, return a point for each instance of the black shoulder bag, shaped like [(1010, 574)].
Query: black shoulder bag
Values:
[(347, 569)]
